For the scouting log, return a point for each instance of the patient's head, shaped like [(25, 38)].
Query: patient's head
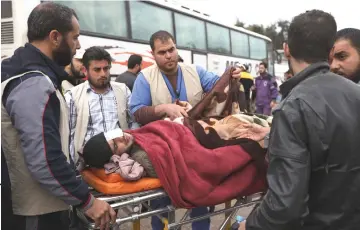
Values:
[(99, 149)]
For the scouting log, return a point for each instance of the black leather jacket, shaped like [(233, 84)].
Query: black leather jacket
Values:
[(314, 156)]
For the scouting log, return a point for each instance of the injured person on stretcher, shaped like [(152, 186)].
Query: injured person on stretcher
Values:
[(197, 162)]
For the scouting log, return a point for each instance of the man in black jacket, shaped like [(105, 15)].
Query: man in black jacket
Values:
[(314, 146)]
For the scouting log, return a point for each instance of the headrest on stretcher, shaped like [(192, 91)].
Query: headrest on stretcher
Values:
[(113, 184)]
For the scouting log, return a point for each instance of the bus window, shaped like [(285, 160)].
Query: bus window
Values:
[(146, 19), (257, 48), (100, 17), (185, 27), (6, 9), (218, 38), (239, 44)]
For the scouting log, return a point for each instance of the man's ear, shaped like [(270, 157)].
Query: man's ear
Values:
[(83, 69), (287, 53), (55, 38)]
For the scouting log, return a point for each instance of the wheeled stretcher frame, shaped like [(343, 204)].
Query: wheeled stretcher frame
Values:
[(121, 201)]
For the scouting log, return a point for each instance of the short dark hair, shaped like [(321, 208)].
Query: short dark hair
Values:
[(264, 64), (311, 36), (134, 60), (288, 72), (49, 16), (162, 35), (351, 34), (95, 53), (180, 59)]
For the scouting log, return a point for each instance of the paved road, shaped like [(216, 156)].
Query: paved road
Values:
[(216, 221)]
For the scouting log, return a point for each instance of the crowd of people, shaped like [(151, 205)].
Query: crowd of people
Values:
[(50, 112)]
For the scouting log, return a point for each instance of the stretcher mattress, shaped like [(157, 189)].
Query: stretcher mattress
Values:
[(113, 184)]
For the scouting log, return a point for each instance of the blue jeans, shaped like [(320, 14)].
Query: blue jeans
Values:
[(156, 223)]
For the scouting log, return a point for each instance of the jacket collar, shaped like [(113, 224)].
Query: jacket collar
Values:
[(309, 71)]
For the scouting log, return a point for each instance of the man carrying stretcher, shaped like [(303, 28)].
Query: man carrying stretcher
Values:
[(35, 128)]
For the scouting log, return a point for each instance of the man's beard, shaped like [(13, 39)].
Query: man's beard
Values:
[(355, 77), (76, 73), (99, 84), (62, 55), (167, 70)]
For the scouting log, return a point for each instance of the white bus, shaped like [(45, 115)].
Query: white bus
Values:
[(125, 27), (281, 64)]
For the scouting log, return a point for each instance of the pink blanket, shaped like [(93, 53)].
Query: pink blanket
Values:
[(125, 166)]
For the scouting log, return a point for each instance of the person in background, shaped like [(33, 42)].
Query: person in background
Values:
[(287, 75), (313, 150), (75, 73), (35, 129), (247, 81), (129, 76), (266, 91), (346, 54), (157, 88)]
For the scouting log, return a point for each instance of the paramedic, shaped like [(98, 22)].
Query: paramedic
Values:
[(157, 87)]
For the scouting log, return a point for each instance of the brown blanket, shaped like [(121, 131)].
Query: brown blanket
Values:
[(225, 98)]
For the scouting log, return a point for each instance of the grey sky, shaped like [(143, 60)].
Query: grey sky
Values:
[(265, 12)]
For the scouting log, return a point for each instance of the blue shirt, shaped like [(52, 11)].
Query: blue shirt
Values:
[(141, 95)]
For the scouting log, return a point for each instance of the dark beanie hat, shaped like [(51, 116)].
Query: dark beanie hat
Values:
[(97, 151)]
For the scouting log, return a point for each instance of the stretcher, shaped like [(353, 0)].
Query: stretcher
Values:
[(132, 196), (143, 198)]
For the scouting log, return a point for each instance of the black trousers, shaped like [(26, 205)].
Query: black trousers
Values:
[(50, 221), (6, 202)]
